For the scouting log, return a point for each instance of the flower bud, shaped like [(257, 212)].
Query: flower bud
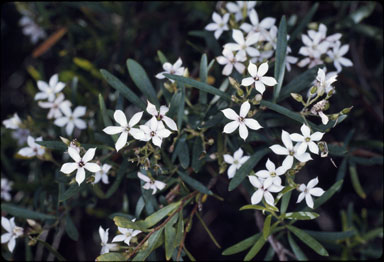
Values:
[(65, 140), (297, 97), (346, 110), (313, 90), (211, 141)]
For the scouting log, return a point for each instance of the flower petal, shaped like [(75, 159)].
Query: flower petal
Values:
[(301, 197), (252, 69), (69, 128), (238, 36), (80, 175), (270, 166), (268, 80), (79, 111), (120, 118), (243, 131), (156, 140), (313, 147), (263, 174), (121, 141), (296, 137), (247, 81), (68, 168), (317, 136), (231, 171), (286, 140), (119, 238), (288, 162), (79, 123), (74, 154), (257, 197), (255, 181), (260, 87), (230, 114), (252, 123), (170, 123), (301, 148), (244, 109), (113, 130), (228, 159), (5, 223), (309, 200), (5, 237), (89, 155), (269, 198), (263, 69), (92, 167), (137, 134), (135, 119), (305, 130), (279, 150), (12, 244), (304, 157), (312, 183), (317, 191)]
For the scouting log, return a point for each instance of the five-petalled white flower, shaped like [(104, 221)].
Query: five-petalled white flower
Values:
[(238, 8), (71, 119), (258, 78), (307, 140), (160, 115), (102, 174), (289, 150), (13, 232), (244, 46), (258, 27), (219, 25), (235, 162), (230, 61), (337, 53), (175, 69), (105, 246), (125, 128), (49, 91), (240, 121), (264, 189), (151, 183), (6, 187), (12, 123), (54, 107), (126, 234), (33, 148), (155, 130), (272, 173), (81, 163), (308, 191)]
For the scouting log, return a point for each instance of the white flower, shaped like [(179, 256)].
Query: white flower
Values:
[(13, 232), (290, 60), (125, 128), (49, 91), (323, 82), (6, 187), (238, 8), (102, 174), (105, 246), (244, 45), (239, 121), (289, 151), (71, 119), (54, 107), (318, 108), (258, 78), (306, 140), (33, 148), (337, 53), (13, 122), (272, 173), (258, 27), (235, 162), (151, 183), (175, 69), (30, 28), (230, 61), (264, 189), (81, 163), (307, 191), (21, 135), (219, 25), (155, 130), (160, 115), (126, 234)]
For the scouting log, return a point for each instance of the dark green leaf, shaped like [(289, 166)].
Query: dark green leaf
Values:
[(208, 231), (296, 249), (308, 240), (255, 249), (194, 183), (152, 243), (331, 236), (123, 89), (182, 151), (342, 169), (162, 57), (301, 215), (379, 160), (300, 27), (199, 85), (280, 53), (24, 212), (261, 208), (169, 237), (71, 229), (141, 80), (55, 145), (246, 168), (119, 177), (196, 153), (154, 218), (203, 78), (71, 191), (125, 222), (241, 246), (111, 256), (336, 150), (267, 226), (179, 229), (355, 180)]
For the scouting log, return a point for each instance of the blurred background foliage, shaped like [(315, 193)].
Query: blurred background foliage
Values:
[(87, 36)]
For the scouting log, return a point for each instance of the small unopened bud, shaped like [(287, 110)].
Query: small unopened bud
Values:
[(186, 72), (297, 97), (168, 86), (211, 141), (346, 110), (65, 140), (326, 106), (212, 156), (328, 60), (313, 26), (313, 89), (333, 116), (330, 93), (31, 222), (234, 83)]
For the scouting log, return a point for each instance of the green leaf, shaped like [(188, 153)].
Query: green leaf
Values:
[(301, 215), (71, 191), (241, 246), (331, 236), (179, 229), (363, 12), (152, 243), (261, 208), (308, 240), (342, 169), (119, 177), (175, 104), (123, 89), (125, 222), (379, 160), (299, 83), (196, 153), (203, 78), (336, 150), (199, 85), (255, 249), (163, 59), (246, 168), (111, 256), (154, 218), (24, 212), (182, 151), (55, 145), (180, 112), (223, 87), (104, 114), (141, 80), (300, 27), (207, 230), (194, 183), (71, 229), (267, 226), (169, 237), (280, 53), (286, 194), (296, 249), (355, 180)]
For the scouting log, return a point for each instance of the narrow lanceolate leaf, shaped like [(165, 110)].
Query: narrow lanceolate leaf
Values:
[(125, 222), (281, 51), (180, 112), (199, 85), (308, 240), (163, 59), (267, 226), (54, 145), (261, 208), (203, 78), (342, 169), (194, 183), (179, 229), (169, 237), (152, 244), (107, 121), (300, 27), (71, 229), (123, 89), (119, 177), (331, 236), (72, 191), (246, 168), (197, 151), (299, 83), (301, 215), (207, 230), (24, 212), (241, 246), (296, 249), (154, 218), (111, 256), (355, 180), (141, 80), (286, 197), (182, 152), (255, 249)]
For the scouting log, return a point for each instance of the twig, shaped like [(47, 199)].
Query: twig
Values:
[(56, 241), (185, 231), (39, 251)]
